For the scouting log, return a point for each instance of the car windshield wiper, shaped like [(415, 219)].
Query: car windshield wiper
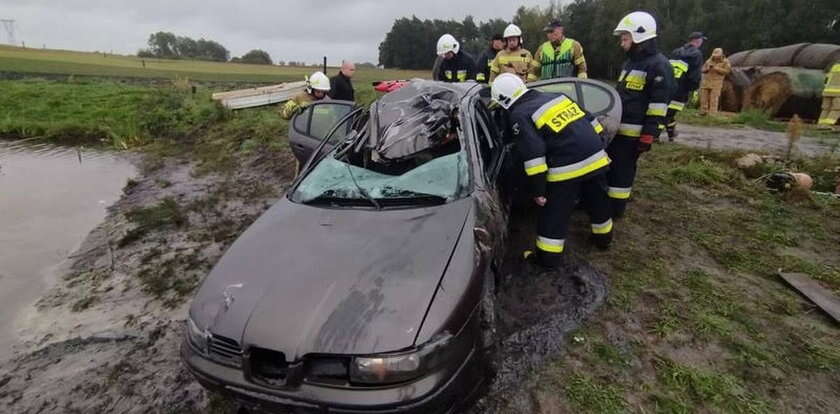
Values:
[(362, 190), (338, 201), (413, 197)]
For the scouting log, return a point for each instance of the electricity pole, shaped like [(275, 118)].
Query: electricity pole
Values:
[(9, 26)]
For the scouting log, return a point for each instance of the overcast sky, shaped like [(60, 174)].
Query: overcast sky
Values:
[(289, 30)]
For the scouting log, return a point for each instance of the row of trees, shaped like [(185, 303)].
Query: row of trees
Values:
[(167, 45), (734, 26)]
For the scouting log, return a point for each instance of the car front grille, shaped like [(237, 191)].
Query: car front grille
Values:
[(225, 351)]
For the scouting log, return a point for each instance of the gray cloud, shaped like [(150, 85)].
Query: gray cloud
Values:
[(288, 30)]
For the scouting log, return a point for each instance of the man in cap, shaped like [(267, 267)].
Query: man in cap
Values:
[(560, 56), (482, 69), (687, 62)]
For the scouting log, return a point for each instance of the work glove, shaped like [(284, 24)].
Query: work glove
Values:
[(645, 141)]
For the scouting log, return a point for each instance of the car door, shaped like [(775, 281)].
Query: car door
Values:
[(309, 127), (597, 97)]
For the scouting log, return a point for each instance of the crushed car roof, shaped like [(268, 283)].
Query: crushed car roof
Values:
[(415, 117)]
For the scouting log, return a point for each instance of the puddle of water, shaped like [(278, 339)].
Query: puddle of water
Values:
[(50, 198)]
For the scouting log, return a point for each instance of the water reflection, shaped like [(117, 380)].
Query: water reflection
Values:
[(50, 198)]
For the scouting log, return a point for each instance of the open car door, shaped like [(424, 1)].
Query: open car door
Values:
[(309, 127), (599, 98)]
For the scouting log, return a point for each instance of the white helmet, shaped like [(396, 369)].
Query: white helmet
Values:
[(318, 81), (640, 25), (507, 88), (512, 30), (447, 43)]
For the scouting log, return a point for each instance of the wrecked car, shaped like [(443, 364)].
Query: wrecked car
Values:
[(369, 287)]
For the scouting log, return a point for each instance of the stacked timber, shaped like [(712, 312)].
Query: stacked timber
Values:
[(266, 95), (781, 81)]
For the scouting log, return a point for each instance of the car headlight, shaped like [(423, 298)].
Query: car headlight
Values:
[(400, 367), (198, 337)]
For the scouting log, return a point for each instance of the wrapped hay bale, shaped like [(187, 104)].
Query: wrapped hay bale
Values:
[(785, 91)]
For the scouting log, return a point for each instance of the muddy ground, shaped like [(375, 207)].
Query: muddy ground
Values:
[(106, 337)]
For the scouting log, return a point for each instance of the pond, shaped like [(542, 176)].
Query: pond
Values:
[(50, 198)]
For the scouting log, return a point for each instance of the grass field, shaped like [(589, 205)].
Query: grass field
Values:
[(62, 62)]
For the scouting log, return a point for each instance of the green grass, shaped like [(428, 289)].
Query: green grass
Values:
[(63, 62), (697, 319)]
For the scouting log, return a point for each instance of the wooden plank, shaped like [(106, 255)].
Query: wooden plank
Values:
[(218, 96), (250, 101), (819, 295)]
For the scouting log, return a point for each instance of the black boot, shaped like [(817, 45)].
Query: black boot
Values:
[(672, 133), (602, 241)]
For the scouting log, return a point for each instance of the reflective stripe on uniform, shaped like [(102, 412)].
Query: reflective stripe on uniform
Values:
[(636, 80), (619, 192), (536, 166), (550, 245), (835, 68), (480, 77), (602, 228), (462, 75), (630, 130), (826, 121), (622, 75), (657, 109), (677, 106), (580, 168), (539, 117), (680, 67), (832, 91), (597, 125), (580, 60)]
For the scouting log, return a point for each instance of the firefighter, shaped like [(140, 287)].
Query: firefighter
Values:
[(831, 98), (645, 86), (714, 72), (483, 63), (564, 160), (513, 58), (317, 88), (687, 61), (457, 65), (560, 56)]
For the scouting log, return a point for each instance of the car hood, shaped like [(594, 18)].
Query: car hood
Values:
[(305, 279)]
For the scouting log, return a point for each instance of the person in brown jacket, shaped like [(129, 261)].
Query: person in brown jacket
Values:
[(714, 71)]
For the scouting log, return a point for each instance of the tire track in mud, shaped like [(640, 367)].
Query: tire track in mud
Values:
[(535, 310)]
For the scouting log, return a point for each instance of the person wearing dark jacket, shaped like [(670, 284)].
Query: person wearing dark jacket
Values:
[(484, 61), (341, 86), (564, 160), (687, 62), (645, 86), (457, 65)]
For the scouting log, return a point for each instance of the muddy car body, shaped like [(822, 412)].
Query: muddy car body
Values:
[(366, 289)]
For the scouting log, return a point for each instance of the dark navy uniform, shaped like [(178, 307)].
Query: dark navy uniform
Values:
[(687, 62), (460, 68), (645, 86), (565, 161), (482, 68)]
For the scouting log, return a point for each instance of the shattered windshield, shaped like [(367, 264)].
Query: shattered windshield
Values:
[(443, 177)]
